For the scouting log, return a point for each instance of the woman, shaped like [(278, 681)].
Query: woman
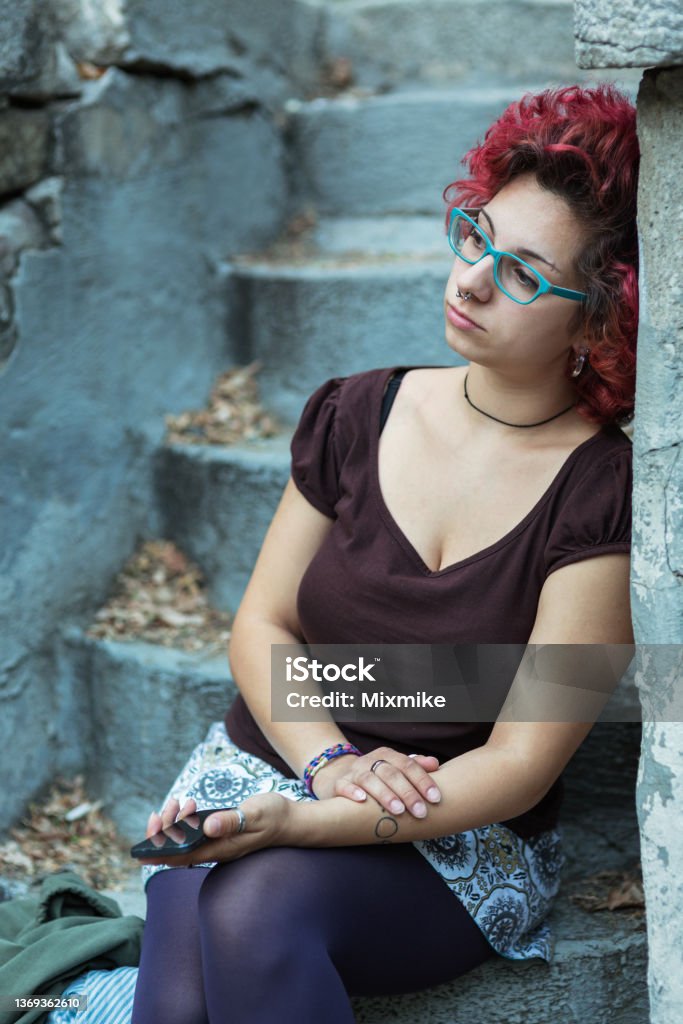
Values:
[(496, 509)]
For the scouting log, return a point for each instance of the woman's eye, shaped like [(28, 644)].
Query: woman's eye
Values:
[(525, 279), (477, 238)]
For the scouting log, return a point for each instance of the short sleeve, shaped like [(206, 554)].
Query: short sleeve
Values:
[(315, 456), (595, 518)]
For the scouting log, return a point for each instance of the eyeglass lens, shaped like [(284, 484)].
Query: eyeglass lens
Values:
[(514, 277)]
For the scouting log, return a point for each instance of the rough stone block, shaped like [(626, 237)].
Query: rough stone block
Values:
[(95, 32), (20, 229), (131, 126), (8, 330), (24, 42), (25, 137), (626, 33), (268, 41), (46, 200), (34, 64)]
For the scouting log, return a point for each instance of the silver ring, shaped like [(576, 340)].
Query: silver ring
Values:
[(242, 820), (376, 765), (466, 297)]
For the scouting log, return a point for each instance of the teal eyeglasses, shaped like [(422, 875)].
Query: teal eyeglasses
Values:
[(515, 278)]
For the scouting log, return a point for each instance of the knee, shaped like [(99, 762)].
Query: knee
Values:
[(256, 898)]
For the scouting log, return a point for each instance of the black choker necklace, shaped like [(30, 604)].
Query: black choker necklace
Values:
[(540, 422)]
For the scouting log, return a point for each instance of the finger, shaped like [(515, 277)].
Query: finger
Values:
[(345, 787), (189, 807), (169, 812), (395, 790), (223, 823), (173, 832), (153, 824), (427, 761), (418, 770)]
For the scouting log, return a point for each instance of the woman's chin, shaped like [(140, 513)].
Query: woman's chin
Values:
[(459, 342)]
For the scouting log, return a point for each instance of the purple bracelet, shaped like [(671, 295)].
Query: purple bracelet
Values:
[(329, 754)]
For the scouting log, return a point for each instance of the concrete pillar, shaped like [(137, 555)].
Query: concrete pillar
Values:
[(623, 33), (658, 530)]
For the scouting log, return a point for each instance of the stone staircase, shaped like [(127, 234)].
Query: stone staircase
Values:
[(362, 287)]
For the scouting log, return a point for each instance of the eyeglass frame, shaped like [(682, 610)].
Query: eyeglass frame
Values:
[(546, 288)]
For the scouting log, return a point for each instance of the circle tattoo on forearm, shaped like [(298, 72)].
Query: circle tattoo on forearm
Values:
[(386, 828)]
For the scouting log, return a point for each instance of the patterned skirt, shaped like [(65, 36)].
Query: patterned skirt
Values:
[(506, 883)]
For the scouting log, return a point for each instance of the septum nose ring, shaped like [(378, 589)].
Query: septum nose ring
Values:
[(465, 297)]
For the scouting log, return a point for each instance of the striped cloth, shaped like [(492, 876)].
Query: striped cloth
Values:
[(110, 998)]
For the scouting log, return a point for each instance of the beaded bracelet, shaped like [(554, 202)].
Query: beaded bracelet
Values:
[(329, 754)]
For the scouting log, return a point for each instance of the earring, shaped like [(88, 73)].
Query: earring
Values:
[(580, 362)]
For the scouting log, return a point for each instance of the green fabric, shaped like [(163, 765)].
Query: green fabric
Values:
[(48, 940)]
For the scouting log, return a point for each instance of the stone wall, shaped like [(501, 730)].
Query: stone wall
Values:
[(614, 33), (136, 155)]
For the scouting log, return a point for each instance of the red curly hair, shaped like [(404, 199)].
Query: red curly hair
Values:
[(581, 144)]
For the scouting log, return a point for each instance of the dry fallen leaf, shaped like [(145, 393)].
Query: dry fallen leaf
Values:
[(160, 597), (627, 894), (339, 73), (66, 830), (233, 413), (88, 71), (612, 890), (82, 810)]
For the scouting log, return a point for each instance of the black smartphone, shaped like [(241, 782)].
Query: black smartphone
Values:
[(179, 838)]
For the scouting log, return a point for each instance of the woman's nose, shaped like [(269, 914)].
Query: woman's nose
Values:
[(476, 277)]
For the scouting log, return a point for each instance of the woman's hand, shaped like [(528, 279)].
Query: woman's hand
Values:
[(401, 781), (266, 817)]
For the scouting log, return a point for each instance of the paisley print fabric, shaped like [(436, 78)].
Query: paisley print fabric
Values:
[(505, 882)]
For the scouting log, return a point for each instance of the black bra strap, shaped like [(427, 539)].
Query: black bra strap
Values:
[(389, 396)]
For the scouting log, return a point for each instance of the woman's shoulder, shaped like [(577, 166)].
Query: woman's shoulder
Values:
[(608, 443), (362, 391)]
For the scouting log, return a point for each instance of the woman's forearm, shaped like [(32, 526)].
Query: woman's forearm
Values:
[(483, 786), (296, 742)]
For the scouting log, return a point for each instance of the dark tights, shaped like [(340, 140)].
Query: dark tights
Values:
[(285, 935)]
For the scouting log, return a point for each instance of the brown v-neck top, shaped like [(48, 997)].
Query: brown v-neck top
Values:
[(368, 584)]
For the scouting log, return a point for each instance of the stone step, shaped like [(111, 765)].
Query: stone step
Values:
[(392, 41), (389, 235), (150, 705), (599, 973), (338, 314), (389, 153), (216, 503)]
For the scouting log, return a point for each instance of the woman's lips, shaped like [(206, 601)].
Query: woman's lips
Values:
[(460, 320)]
